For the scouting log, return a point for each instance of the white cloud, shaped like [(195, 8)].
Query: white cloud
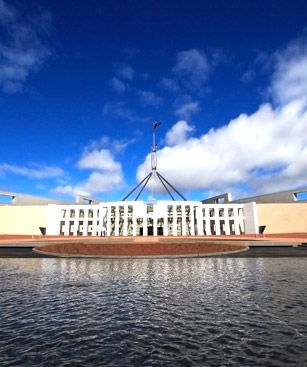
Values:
[(189, 78), (125, 71), (105, 142), (187, 110), (230, 156), (98, 160), (149, 98), (170, 84), (178, 133), (106, 176), (34, 171), (248, 76), (103, 182), (192, 67), (67, 190), (119, 109), (7, 13), (290, 77), (23, 50), (97, 182), (262, 152), (117, 85)]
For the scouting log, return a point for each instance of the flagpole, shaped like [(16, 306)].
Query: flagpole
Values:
[(154, 173), (155, 124)]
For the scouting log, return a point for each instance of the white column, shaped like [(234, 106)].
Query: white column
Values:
[(145, 225), (217, 220), (226, 221), (85, 222), (179, 223), (188, 221), (99, 221), (125, 232), (174, 220), (184, 221), (251, 218), (236, 220), (116, 220), (103, 220), (165, 223), (53, 216), (109, 220), (76, 223), (199, 220), (207, 219), (94, 225), (134, 225), (65, 228), (155, 225), (192, 221)]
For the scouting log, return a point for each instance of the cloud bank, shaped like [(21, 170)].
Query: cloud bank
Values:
[(23, 50), (106, 173), (34, 171), (192, 68), (183, 84), (262, 152), (188, 109)]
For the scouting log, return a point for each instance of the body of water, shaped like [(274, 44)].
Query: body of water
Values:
[(153, 312)]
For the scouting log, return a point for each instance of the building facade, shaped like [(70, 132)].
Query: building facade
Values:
[(136, 218), (214, 216)]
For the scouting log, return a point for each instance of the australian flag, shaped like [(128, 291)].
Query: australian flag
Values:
[(156, 124)]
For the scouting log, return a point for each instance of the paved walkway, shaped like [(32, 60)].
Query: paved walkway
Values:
[(284, 239)]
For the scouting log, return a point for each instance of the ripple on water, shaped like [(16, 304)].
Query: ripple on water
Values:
[(174, 312)]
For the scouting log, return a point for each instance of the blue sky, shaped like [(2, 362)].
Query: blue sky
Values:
[(82, 81)]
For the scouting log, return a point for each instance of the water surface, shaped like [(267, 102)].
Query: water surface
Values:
[(159, 312)]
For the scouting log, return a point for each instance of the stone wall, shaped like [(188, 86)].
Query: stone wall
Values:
[(23, 219), (283, 217)]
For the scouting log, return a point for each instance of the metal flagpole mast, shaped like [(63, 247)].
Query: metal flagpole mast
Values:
[(155, 124), (167, 186)]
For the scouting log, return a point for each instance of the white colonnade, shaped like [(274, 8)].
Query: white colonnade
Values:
[(136, 218)]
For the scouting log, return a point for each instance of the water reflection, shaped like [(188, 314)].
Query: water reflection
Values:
[(210, 311)]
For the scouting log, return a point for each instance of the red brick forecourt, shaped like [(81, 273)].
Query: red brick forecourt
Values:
[(144, 246)]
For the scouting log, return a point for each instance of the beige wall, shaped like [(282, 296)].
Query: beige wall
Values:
[(22, 219), (283, 218), (278, 218)]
